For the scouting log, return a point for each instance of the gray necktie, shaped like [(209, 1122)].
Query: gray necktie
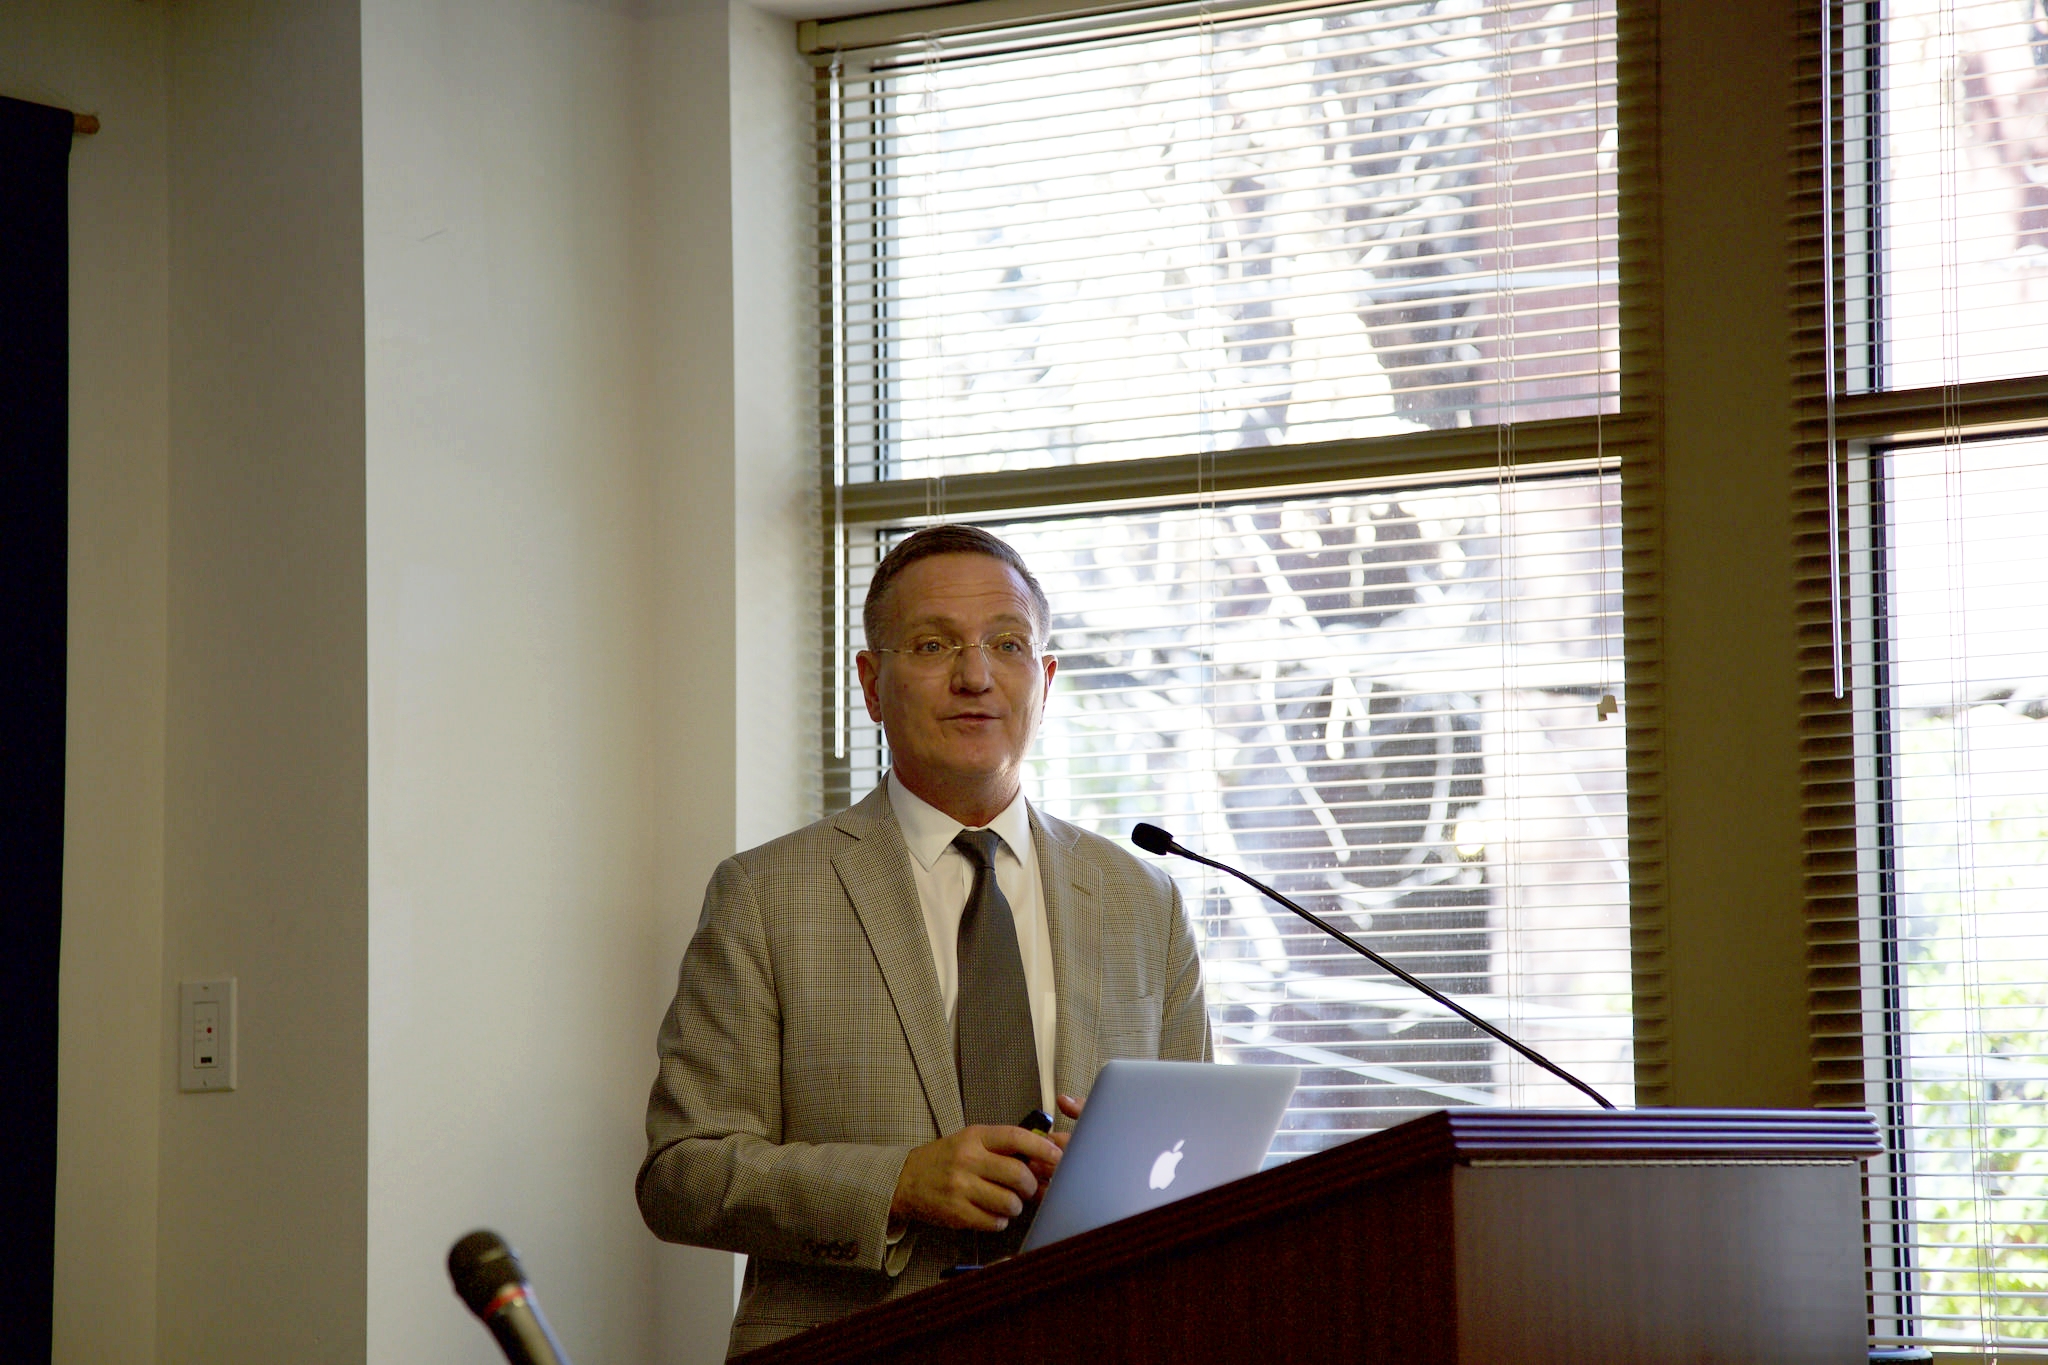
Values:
[(994, 1047)]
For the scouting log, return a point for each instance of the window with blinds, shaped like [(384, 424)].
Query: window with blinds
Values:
[(1285, 345), (1388, 705), (1215, 234), (1927, 796), (1966, 651), (1946, 128)]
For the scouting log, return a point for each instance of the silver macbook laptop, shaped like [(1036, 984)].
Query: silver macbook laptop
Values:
[(1154, 1132)]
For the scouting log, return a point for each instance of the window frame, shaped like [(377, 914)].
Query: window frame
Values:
[(1627, 439)]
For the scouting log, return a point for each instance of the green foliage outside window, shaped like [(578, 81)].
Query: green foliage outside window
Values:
[(1975, 954)]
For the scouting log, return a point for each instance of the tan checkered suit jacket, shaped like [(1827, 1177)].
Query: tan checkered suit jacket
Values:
[(808, 1050)]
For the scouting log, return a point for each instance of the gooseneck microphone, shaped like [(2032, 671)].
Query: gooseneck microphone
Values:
[(488, 1277), (1153, 839)]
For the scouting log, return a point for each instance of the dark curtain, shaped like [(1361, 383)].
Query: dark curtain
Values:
[(35, 145)]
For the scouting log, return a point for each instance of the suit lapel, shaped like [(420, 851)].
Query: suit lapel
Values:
[(875, 871), (1073, 912)]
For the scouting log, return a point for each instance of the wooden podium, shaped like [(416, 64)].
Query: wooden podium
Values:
[(1467, 1236)]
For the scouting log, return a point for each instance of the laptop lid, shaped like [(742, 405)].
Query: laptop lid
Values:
[(1154, 1132)]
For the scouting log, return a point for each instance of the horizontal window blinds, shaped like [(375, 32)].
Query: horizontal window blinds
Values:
[(1944, 125), (1388, 703), (1953, 838), (1927, 782), (1298, 351), (1348, 222)]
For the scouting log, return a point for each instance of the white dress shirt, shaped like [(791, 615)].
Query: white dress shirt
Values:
[(944, 877)]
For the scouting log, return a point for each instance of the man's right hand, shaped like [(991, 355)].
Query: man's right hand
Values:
[(977, 1178)]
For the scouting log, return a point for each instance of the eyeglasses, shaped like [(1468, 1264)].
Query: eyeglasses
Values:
[(934, 653)]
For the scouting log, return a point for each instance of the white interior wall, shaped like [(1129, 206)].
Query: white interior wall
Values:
[(510, 623), (685, 139), (727, 400), (439, 651), (260, 1248), (108, 57), (684, 123), (776, 613), (556, 314)]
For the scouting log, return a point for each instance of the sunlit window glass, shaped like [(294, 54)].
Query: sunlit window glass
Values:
[(1947, 123), (1968, 659), (1358, 221), (1388, 704)]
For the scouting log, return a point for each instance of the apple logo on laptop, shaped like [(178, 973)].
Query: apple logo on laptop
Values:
[(1163, 1168)]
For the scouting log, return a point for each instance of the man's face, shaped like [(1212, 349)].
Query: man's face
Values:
[(958, 731)]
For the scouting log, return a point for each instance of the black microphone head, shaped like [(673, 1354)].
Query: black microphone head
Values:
[(481, 1264), (1152, 839)]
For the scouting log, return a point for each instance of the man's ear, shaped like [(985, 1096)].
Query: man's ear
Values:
[(1052, 666), (870, 669)]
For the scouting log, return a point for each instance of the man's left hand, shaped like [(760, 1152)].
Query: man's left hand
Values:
[(1071, 1107)]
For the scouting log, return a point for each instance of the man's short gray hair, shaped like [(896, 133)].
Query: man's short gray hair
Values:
[(949, 539)]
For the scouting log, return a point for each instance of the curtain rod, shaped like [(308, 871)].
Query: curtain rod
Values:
[(84, 125)]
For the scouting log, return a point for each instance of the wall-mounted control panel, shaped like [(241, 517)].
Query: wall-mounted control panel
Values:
[(206, 1034)]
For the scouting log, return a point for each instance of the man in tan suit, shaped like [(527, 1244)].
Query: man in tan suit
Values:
[(808, 1108)]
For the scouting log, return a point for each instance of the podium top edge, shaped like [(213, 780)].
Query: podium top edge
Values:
[(1749, 1133)]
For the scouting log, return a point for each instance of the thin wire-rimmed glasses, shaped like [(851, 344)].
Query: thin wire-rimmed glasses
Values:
[(1007, 650)]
